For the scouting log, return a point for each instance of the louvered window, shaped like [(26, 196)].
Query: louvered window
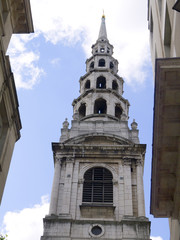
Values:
[(98, 186)]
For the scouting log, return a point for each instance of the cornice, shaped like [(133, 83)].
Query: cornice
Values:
[(101, 70), (96, 90)]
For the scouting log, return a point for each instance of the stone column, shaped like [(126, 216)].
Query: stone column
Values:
[(55, 187), (140, 189)]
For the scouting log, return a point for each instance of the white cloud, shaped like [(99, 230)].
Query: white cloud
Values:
[(24, 62), (156, 238), (26, 72), (26, 224), (55, 61), (72, 21)]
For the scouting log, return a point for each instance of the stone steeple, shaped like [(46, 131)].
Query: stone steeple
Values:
[(101, 100), (102, 32), (98, 163)]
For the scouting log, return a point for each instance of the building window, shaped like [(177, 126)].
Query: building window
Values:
[(114, 85), (100, 106), (82, 110), (167, 34), (101, 63), (111, 65), (98, 186), (118, 111), (96, 230), (92, 65), (101, 82), (87, 84)]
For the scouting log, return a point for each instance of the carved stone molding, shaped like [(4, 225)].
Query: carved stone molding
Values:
[(80, 181), (139, 162), (126, 161), (58, 159), (69, 159), (115, 182)]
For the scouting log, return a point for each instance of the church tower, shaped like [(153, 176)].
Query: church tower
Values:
[(97, 190)]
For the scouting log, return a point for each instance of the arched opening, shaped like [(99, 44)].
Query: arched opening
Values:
[(114, 85), (101, 82), (87, 84), (98, 186), (82, 110), (100, 106), (102, 50), (118, 111), (111, 65), (101, 63), (92, 65)]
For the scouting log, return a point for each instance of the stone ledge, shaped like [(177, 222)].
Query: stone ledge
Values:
[(97, 210)]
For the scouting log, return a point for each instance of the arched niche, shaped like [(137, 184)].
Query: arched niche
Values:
[(101, 82), (100, 106), (111, 65), (114, 85), (82, 110), (92, 65), (101, 63), (118, 111), (87, 84)]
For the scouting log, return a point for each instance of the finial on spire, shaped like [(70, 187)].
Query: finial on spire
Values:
[(102, 32), (103, 16)]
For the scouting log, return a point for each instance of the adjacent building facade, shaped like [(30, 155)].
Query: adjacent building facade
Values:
[(164, 26), (163, 21), (97, 190), (15, 17)]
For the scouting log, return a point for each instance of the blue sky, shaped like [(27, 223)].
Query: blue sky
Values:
[(47, 66)]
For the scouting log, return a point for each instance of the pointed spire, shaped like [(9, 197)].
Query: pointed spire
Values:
[(102, 31)]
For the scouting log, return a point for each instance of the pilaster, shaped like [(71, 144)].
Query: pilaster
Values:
[(128, 208), (55, 187), (79, 197), (74, 189), (121, 190), (67, 185), (140, 188)]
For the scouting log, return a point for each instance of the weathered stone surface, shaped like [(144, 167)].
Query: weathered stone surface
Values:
[(99, 138)]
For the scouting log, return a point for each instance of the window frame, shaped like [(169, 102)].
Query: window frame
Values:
[(101, 62), (98, 186)]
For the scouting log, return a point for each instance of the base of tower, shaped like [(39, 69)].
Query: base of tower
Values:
[(56, 227)]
